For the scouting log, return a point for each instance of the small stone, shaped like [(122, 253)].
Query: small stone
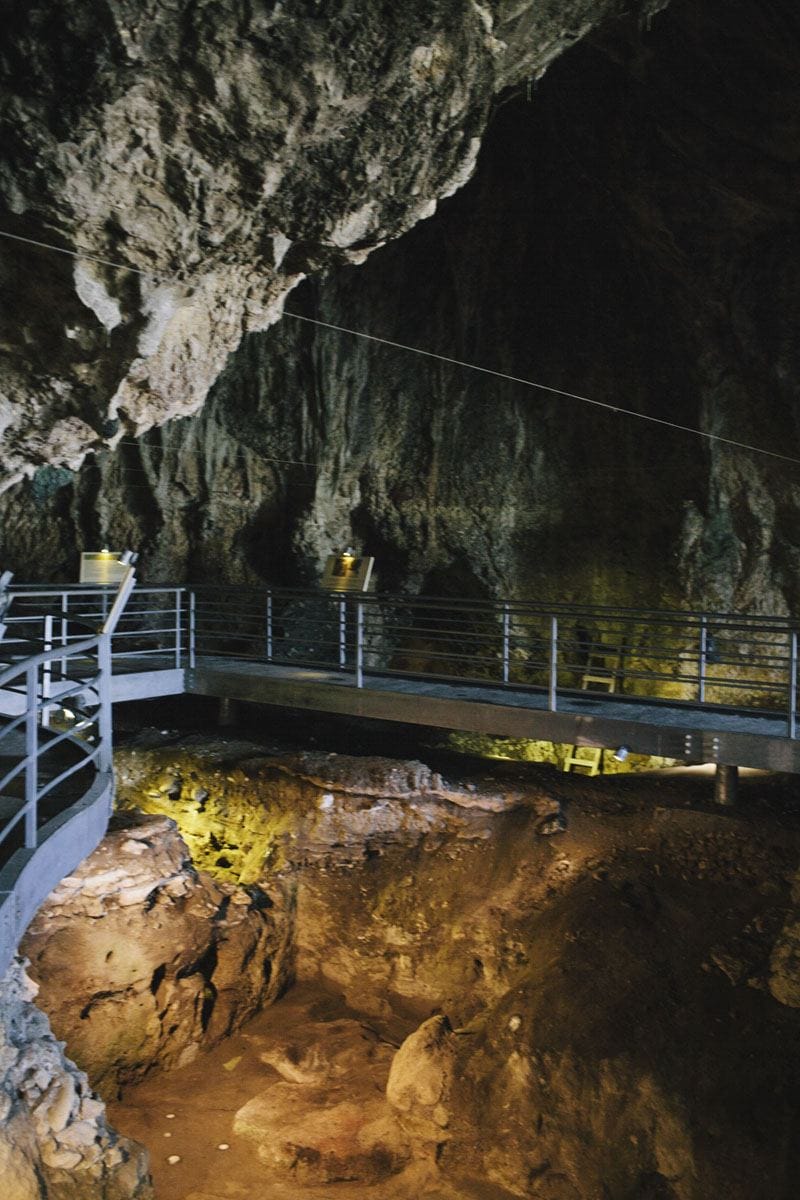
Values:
[(170, 1116), (173, 1158), (63, 1160), (223, 1146), (167, 1134), (514, 1022), (554, 824)]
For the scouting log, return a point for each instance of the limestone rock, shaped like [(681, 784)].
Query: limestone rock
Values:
[(248, 821), (322, 1135), (327, 1120), (54, 1133), (145, 960), (219, 155), (419, 1083), (784, 977)]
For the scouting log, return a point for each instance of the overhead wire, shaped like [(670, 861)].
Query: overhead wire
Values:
[(616, 409), (543, 387)]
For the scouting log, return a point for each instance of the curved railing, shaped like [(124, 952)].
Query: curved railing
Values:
[(56, 780)]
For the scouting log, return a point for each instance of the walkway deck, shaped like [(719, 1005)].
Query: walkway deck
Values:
[(682, 731)]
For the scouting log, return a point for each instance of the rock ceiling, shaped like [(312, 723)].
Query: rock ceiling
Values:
[(220, 152)]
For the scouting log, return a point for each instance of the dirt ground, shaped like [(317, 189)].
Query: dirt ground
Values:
[(632, 955)]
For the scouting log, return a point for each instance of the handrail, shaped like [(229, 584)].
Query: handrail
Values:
[(399, 598), (712, 660), (53, 817), (46, 656)]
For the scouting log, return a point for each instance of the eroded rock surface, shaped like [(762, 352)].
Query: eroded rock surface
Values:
[(218, 152), (630, 235), (246, 817), (55, 1140), (144, 960)]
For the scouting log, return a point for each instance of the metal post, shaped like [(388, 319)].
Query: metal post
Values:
[(192, 631), (104, 729), (703, 660), (792, 722), (359, 644), (553, 684), (726, 780), (269, 626), (31, 761), (342, 634), (124, 590), (178, 628), (47, 670), (506, 641), (64, 630)]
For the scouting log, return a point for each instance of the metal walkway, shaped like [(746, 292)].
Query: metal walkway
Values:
[(696, 687), (56, 778)]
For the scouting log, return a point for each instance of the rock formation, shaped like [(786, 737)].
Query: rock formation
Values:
[(614, 1006), (218, 153), (169, 961), (55, 1141)]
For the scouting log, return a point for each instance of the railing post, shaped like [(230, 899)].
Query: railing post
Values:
[(178, 628), (342, 634), (64, 631), (192, 630), (104, 719), (702, 662), (269, 626), (31, 756), (47, 670), (124, 590), (506, 641), (792, 722), (359, 644), (552, 697)]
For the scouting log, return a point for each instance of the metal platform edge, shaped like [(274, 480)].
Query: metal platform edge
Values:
[(30, 875), (683, 743)]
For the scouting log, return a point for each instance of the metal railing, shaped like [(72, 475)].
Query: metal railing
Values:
[(723, 661), (150, 629), (714, 660), (55, 754)]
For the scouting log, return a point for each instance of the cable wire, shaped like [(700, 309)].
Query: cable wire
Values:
[(456, 362), (543, 387), (106, 262)]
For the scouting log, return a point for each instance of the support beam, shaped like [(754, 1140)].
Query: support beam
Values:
[(228, 715), (726, 784)]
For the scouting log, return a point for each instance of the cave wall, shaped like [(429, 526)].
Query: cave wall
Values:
[(193, 161), (628, 236)]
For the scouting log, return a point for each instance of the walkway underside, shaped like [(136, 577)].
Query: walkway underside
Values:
[(684, 732)]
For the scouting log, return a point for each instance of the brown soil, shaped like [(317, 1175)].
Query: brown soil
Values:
[(620, 1038)]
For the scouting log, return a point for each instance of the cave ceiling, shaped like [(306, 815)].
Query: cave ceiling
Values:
[(629, 234), (221, 151)]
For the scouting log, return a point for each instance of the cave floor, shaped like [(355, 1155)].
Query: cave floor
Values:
[(309, 1036), (653, 925)]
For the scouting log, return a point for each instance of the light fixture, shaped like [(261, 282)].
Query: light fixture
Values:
[(621, 753)]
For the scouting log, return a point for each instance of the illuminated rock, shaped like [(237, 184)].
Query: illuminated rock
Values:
[(169, 960)]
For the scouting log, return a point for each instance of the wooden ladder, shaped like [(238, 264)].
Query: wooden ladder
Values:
[(597, 677)]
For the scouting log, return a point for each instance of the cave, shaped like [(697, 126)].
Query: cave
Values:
[(501, 297)]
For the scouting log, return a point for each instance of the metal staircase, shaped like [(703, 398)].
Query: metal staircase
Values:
[(56, 782)]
